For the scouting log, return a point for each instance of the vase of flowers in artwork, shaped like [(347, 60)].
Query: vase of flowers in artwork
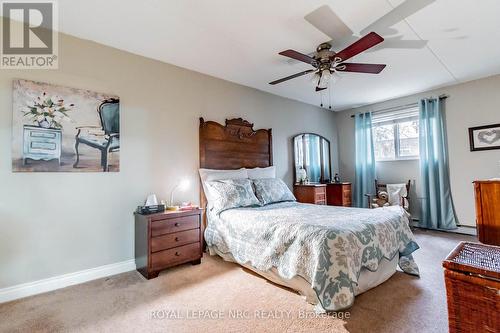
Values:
[(48, 111)]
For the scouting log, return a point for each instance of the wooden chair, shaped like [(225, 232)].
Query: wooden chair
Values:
[(405, 201), (106, 142)]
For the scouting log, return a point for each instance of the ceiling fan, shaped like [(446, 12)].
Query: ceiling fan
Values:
[(326, 62)]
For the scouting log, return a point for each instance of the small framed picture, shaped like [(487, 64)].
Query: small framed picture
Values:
[(484, 137)]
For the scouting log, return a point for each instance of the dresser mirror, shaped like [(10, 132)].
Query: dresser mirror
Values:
[(312, 158)]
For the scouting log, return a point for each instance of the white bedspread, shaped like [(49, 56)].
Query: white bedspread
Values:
[(326, 245)]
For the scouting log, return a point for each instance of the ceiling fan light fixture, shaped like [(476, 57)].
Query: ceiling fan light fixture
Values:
[(324, 79), (326, 75), (315, 77)]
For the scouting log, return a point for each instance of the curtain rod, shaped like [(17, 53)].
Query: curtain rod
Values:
[(402, 106)]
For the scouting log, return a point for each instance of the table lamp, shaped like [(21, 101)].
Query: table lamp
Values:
[(182, 185)]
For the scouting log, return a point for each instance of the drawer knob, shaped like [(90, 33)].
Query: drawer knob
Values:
[(176, 239), (177, 254), (176, 224)]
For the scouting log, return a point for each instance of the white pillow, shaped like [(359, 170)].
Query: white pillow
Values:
[(207, 175), (260, 173)]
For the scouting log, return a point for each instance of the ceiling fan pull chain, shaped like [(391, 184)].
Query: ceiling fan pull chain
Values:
[(330, 96), (321, 94)]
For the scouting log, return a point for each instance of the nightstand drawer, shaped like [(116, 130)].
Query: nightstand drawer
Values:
[(176, 255), (40, 145), (172, 225), (169, 241)]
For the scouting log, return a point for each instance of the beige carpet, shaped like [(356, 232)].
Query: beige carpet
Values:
[(217, 289)]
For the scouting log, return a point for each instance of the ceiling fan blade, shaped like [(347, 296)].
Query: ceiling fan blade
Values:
[(298, 56), (291, 77), (396, 15), (326, 21), (359, 46), (399, 43), (360, 68)]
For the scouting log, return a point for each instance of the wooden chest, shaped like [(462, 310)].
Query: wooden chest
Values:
[(472, 277), (487, 195), (339, 194), (167, 239), (310, 193)]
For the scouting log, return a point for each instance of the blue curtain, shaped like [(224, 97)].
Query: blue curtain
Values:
[(365, 159), (437, 210)]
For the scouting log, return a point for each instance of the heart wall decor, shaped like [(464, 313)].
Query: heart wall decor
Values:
[(489, 137), (484, 137)]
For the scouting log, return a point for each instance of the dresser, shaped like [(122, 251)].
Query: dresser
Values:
[(487, 194), (339, 194), (332, 194), (167, 239), (41, 143), (310, 193)]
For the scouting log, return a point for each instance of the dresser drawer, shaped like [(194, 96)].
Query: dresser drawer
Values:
[(169, 241), (169, 226), (347, 195), (176, 255), (319, 197), (320, 190)]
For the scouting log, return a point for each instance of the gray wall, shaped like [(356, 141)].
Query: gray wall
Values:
[(56, 223), (470, 104)]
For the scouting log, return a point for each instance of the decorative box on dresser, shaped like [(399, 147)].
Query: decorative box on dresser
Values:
[(167, 239), (310, 193), (339, 194), (487, 193)]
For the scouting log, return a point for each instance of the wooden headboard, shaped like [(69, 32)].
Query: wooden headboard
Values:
[(232, 146)]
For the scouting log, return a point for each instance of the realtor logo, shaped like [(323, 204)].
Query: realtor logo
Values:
[(29, 38)]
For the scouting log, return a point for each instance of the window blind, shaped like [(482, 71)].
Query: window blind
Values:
[(395, 114)]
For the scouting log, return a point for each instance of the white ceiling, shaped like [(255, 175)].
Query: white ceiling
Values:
[(239, 41)]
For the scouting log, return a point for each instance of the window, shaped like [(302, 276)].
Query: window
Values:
[(395, 135)]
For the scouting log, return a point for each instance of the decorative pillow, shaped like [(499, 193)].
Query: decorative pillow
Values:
[(259, 173), (230, 193), (270, 190)]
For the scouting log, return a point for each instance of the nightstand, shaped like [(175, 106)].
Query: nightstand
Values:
[(167, 239), (41, 143), (310, 193)]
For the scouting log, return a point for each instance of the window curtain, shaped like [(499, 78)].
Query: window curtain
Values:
[(437, 210), (365, 159)]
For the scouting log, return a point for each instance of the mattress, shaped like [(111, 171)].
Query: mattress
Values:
[(329, 254), (366, 281)]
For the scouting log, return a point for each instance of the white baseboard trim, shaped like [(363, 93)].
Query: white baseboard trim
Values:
[(65, 280)]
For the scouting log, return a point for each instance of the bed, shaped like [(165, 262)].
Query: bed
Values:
[(328, 254)]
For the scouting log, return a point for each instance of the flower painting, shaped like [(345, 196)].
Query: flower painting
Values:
[(62, 129), (48, 111)]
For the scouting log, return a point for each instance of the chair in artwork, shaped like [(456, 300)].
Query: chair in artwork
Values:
[(105, 138), (393, 194)]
